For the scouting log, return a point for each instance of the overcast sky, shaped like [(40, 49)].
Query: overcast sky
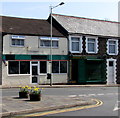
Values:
[(97, 9)]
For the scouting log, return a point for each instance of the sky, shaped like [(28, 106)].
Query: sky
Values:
[(39, 9)]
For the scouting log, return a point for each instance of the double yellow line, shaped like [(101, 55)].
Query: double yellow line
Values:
[(98, 103)]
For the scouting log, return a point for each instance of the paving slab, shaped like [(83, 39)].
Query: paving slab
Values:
[(13, 105)]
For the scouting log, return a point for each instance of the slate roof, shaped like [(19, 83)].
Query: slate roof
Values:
[(13, 25), (87, 26)]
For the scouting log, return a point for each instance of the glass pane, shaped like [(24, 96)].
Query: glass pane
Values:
[(75, 46), (13, 67), (45, 43), (17, 42), (43, 67), (110, 63), (55, 44), (34, 62), (24, 67), (22, 42), (63, 67), (13, 42), (34, 79), (91, 47), (111, 48), (75, 38), (91, 40), (112, 42), (55, 67), (34, 70)]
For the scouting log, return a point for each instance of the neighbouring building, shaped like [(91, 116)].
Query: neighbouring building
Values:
[(26, 52), (94, 49)]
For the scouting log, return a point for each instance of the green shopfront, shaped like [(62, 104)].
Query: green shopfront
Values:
[(88, 70)]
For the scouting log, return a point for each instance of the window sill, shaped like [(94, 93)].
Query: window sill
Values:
[(59, 73), (49, 47), (15, 46), (75, 52), (10, 75), (112, 54), (42, 74), (91, 52)]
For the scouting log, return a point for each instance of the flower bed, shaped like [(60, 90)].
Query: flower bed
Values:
[(33, 93)]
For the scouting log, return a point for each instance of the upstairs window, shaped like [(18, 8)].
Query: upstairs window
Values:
[(91, 45), (46, 42), (17, 41), (75, 44), (112, 47)]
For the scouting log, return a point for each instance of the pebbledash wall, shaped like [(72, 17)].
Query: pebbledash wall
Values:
[(94, 49), (33, 53)]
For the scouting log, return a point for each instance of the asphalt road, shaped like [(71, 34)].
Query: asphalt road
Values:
[(109, 96)]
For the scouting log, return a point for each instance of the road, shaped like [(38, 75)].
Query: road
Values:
[(109, 96)]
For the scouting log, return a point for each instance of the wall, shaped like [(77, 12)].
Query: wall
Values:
[(17, 80), (32, 47)]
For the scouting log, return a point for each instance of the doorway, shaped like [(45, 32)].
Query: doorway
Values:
[(74, 75), (111, 71), (34, 72)]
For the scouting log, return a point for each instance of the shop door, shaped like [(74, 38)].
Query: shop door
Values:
[(74, 75), (34, 68)]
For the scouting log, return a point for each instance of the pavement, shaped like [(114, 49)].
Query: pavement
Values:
[(13, 105), (64, 86)]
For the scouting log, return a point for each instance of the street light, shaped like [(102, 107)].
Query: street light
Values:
[(51, 8)]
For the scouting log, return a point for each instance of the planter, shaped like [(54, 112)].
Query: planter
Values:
[(23, 94), (35, 97)]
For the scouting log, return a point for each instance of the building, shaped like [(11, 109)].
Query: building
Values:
[(84, 51), (94, 49), (26, 52)]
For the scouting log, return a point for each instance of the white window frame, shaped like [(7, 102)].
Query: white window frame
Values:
[(116, 47), (59, 68), (48, 39), (96, 44), (17, 37), (19, 70), (80, 44)]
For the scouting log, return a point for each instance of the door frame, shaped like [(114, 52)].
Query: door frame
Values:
[(115, 72), (37, 64)]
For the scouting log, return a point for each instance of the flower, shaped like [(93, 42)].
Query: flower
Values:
[(24, 89), (35, 90)]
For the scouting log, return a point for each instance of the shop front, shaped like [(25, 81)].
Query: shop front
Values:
[(85, 71)]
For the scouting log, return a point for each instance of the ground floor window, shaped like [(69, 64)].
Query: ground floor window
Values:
[(43, 66), (13, 67), (23, 67), (59, 67), (19, 67)]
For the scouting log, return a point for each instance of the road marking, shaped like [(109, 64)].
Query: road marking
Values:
[(91, 95), (87, 95), (72, 95), (101, 94), (82, 95), (117, 107), (98, 103)]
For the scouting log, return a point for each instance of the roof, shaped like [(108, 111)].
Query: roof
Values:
[(26, 26), (87, 26)]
